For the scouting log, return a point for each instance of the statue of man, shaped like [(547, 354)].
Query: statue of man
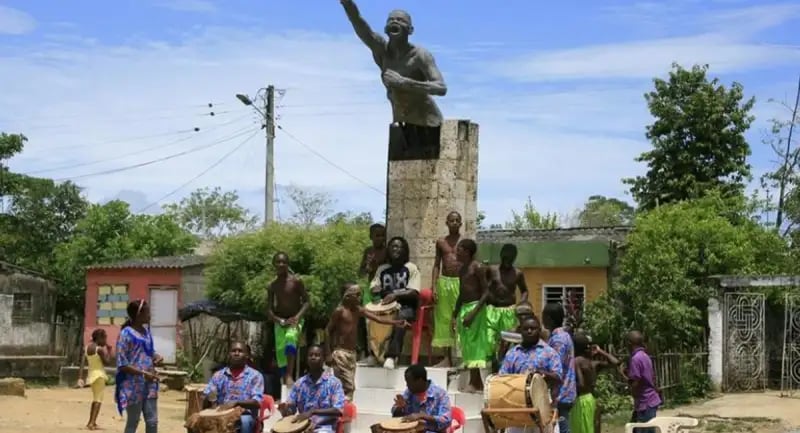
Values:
[(408, 71)]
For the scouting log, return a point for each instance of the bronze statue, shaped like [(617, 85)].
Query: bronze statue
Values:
[(408, 71)]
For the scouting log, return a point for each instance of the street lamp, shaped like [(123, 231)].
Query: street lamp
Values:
[(244, 98), (268, 118)]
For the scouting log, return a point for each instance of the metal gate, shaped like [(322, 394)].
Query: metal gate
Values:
[(790, 367), (744, 354)]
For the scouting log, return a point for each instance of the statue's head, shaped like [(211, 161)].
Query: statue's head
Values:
[(398, 25)]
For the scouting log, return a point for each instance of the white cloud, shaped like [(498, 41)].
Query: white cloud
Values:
[(203, 6), (558, 145), (15, 21)]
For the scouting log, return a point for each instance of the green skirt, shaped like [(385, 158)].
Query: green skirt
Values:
[(500, 319), (447, 289), (581, 416), (476, 347), (286, 339)]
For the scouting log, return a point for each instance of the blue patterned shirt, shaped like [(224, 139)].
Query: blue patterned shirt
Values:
[(249, 385), (132, 350), (520, 360), (561, 342), (436, 404), (325, 393)]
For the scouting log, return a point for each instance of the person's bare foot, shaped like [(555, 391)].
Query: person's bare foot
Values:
[(470, 389), (91, 427)]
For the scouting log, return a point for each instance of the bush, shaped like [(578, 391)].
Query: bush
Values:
[(324, 257)]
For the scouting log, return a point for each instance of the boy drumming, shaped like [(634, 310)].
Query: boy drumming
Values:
[(343, 333), (445, 285), (469, 316), (287, 302)]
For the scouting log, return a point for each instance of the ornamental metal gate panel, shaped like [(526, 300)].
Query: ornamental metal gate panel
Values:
[(790, 367), (744, 354)]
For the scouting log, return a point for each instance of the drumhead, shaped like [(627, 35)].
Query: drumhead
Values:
[(397, 424), (287, 425), (540, 397), (216, 412), (379, 307)]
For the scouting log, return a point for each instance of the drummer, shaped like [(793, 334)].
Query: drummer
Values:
[(533, 355), (317, 396), (397, 281), (237, 385), (423, 401)]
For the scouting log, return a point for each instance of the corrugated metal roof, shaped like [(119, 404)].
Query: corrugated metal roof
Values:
[(616, 233), (169, 262)]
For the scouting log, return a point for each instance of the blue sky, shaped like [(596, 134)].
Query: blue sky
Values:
[(555, 86)]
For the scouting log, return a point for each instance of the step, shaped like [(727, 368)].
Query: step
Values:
[(379, 377), (380, 400)]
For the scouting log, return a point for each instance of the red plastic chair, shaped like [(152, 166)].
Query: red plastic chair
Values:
[(265, 411), (459, 419), (348, 415), (423, 324)]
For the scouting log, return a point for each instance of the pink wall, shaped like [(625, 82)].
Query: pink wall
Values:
[(138, 282)]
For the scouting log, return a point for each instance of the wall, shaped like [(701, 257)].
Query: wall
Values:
[(137, 280), (193, 284), (595, 281), (34, 336)]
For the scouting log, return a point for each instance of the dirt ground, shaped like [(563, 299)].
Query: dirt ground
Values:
[(65, 410)]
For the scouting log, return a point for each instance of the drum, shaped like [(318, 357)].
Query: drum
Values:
[(194, 399), (378, 333), (397, 425), (287, 425), (214, 421), (519, 391)]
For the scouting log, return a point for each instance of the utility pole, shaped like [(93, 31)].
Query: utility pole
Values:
[(269, 178)]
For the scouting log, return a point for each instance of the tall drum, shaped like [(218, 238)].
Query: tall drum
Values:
[(519, 391), (379, 333)]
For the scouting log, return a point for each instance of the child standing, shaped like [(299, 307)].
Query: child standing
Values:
[(98, 356), (584, 416), (136, 382)]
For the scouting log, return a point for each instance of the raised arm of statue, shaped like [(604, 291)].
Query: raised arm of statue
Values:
[(373, 40), (433, 83)]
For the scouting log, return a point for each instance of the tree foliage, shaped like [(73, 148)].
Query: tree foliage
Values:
[(310, 207), (212, 213), (662, 287), (323, 256), (530, 218), (108, 233), (698, 139), (601, 211)]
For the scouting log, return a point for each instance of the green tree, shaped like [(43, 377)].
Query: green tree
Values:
[(310, 207), (212, 213), (36, 214), (361, 219), (530, 218), (108, 233), (240, 268), (697, 137), (662, 288), (601, 211)]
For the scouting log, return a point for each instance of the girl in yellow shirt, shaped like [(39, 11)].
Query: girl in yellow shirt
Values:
[(98, 356)]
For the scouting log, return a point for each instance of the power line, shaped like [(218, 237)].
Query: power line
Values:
[(202, 173), (154, 161), (134, 153), (127, 110), (138, 119), (333, 164)]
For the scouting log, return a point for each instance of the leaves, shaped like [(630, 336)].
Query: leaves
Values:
[(211, 213), (698, 139), (530, 218), (311, 207), (601, 211), (324, 257)]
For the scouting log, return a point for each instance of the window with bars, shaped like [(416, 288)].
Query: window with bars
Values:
[(22, 309), (571, 297)]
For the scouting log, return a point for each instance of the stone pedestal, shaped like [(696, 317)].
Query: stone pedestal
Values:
[(421, 192)]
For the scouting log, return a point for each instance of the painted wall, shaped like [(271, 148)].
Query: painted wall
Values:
[(34, 335), (125, 285), (595, 281)]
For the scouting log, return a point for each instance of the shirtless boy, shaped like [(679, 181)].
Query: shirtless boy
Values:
[(342, 333), (469, 316), (584, 416), (504, 280), (445, 284), (373, 256), (287, 302)]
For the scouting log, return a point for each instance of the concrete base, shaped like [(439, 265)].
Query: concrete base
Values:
[(31, 367), (422, 192), (13, 386)]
